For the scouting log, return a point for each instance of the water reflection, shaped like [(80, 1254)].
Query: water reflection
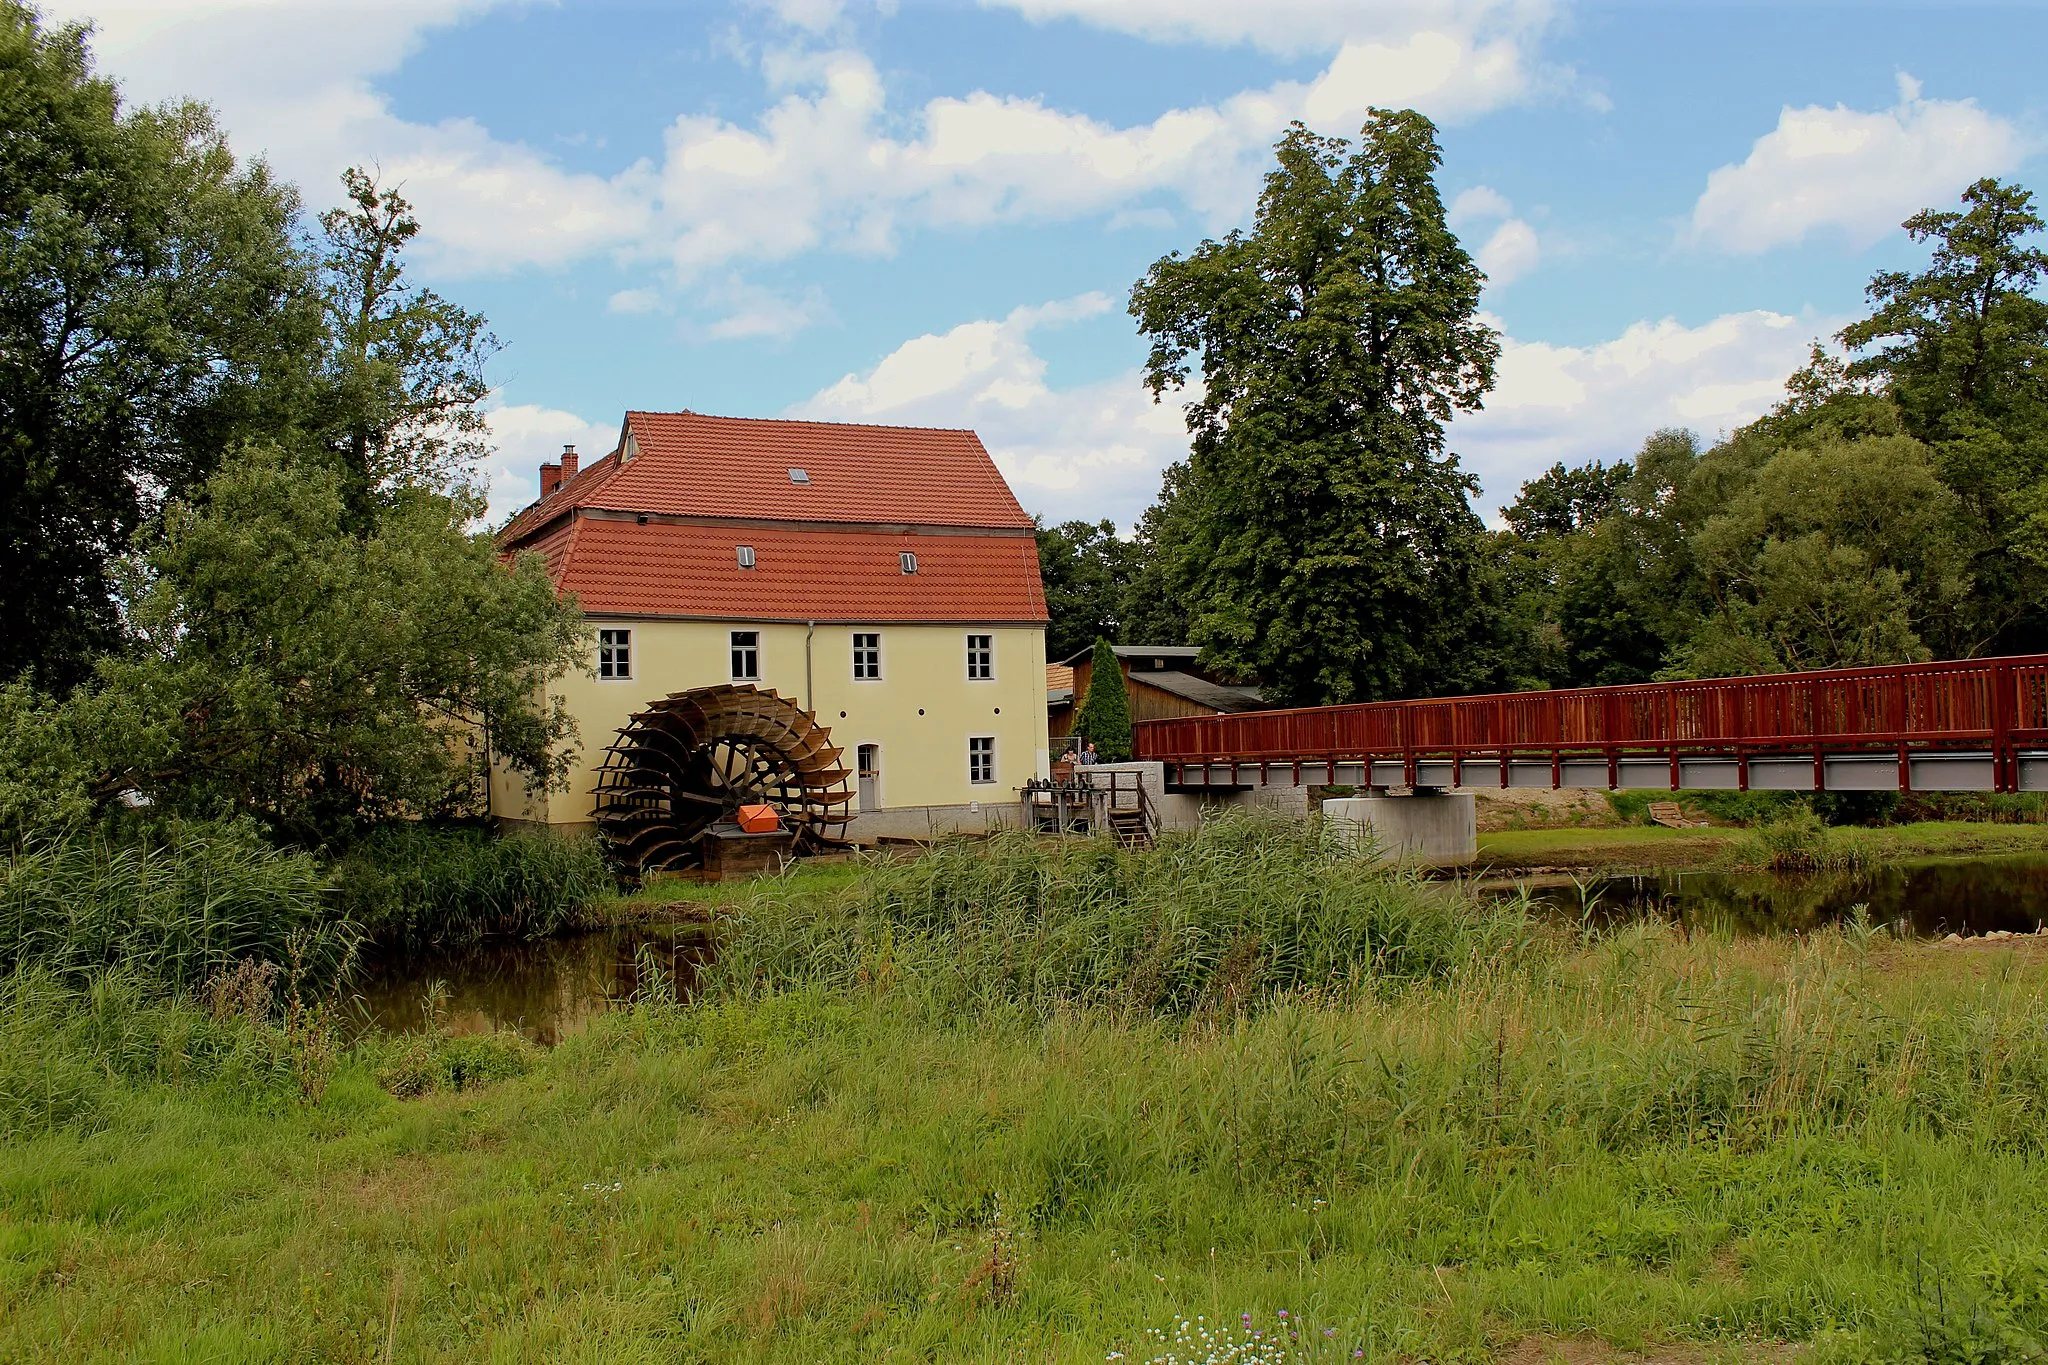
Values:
[(1929, 898), (544, 989)]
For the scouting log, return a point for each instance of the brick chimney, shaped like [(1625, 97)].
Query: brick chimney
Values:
[(569, 459), (550, 479)]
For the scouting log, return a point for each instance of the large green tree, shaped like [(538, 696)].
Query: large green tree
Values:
[(154, 311), (1330, 547), (1087, 570), (317, 677), (1961, 348), (402, 368), (1833, 555), (1156, 609)]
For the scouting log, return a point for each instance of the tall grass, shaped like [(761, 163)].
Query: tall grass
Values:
[(67, 1052), (176, 909), (1798, 842), (418, 885), (1204, 922)]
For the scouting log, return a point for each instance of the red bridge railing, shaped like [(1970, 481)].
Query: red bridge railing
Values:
[(1995, 705)]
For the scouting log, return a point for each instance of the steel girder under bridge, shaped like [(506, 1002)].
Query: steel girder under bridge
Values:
[(1966, 725)]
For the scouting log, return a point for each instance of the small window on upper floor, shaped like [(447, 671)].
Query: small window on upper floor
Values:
[(615, 654), (909, 561), (745, 555), (867, 656), (981, 658), (746, 655)]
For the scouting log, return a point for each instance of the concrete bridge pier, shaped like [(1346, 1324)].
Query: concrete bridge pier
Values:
[(1425, 827)]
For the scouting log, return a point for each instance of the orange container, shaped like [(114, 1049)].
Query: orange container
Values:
[(759, 820)]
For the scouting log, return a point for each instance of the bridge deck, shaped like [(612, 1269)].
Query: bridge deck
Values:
[(1963, 725)]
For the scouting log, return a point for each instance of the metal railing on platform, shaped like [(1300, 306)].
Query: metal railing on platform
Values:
[(1081, 800)]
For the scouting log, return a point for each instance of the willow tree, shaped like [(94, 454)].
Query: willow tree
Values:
[(1328, 546)]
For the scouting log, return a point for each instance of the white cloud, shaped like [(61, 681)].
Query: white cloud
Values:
[(755, 312), (826, 165), (1510, 253), (525, 435), (1857, 173), (1578, 403), (1512, 250), (823, 167), (814, 16), (294, 83), (1097, 450), (1092, 451), (1480, 204), (629, 301), (1284, 26)]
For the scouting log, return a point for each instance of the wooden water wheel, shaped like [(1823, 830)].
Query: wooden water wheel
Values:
[(692, 759)]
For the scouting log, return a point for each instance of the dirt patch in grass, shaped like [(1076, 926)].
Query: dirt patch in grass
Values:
[(1544, 1350)]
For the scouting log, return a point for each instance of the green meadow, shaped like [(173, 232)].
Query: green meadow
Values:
[(1013, 1101)]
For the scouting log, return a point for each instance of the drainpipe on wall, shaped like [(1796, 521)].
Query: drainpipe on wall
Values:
[(810, 702)]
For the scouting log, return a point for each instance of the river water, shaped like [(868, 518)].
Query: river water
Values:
[(553, 987), (544, 988), (1924, 899)]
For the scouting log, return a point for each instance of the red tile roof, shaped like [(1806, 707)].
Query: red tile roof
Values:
[(689, 464), (617, 567)]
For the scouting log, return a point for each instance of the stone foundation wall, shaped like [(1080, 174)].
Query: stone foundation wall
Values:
[(932, 822)]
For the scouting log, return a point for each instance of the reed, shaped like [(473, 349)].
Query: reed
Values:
[(418, 885), (176, 909), (1213, 921)]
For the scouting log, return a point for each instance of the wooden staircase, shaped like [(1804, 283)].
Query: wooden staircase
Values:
[(1129, 826)]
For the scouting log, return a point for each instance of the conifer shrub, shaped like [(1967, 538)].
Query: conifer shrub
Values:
[(1105, 714)]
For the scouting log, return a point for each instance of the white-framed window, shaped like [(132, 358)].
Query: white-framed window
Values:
[(615, 653), (867, 656), (981, 759), (908, 561), (745, 555), (746, 655), (981, 658)]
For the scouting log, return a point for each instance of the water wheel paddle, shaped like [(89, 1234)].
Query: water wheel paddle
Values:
[(692, 759)]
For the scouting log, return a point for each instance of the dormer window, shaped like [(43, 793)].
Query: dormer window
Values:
[(799, 476), (908, 560), (745, 555)]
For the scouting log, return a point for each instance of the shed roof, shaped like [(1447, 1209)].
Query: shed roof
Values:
[(1217, 696), (1179, 653)]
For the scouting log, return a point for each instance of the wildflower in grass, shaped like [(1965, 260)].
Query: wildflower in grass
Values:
[(1247, 1342)]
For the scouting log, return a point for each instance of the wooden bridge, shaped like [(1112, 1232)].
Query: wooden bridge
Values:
[(1964, 725)]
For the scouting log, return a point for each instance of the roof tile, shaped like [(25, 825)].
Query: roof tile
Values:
[(622, 568), (690, 464)]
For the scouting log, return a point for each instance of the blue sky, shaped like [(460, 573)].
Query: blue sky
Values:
[(932, 213)]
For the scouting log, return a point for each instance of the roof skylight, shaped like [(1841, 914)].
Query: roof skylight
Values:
[(799, 475)]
